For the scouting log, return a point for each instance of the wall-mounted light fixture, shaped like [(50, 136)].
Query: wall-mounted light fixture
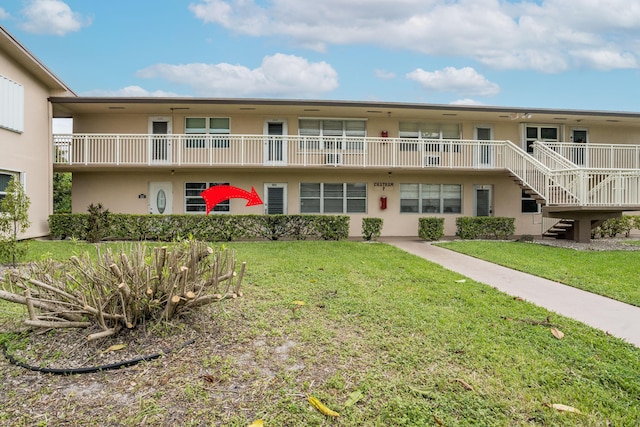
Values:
[(142, 196)]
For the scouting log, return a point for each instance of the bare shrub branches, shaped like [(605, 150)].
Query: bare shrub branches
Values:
[(122, 290)]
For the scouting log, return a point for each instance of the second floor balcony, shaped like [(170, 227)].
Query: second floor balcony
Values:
[(558, 173), (113, 150)]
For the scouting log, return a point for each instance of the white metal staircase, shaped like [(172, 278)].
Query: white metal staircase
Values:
[(578, 197)]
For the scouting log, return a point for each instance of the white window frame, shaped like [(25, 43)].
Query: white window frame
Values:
[(440, 133), (528, 198), (421, 190), (323, 197), (223, 207), (527, 141), (212, 140), (22, 177), (324, 139)]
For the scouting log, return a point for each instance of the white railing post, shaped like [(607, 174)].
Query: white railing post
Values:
[(86, 150), (243, 151), (118, 150), (365, 144)]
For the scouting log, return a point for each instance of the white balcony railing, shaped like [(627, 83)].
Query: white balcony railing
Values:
[(260, 150), (554, 172), (598, 156)]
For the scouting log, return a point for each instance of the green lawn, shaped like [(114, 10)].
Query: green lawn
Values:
[(402, 331), (614, 274)]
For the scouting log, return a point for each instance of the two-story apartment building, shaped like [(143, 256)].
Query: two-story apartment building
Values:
[(395, 161), (25, 127)]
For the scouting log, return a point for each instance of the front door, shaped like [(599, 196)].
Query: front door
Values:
[(160, 198), (160, 144), (483, 195), (275, 198), (485, 152), (275, 148), (578, 136)]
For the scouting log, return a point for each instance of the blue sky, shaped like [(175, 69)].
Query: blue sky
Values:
[(565, 54)]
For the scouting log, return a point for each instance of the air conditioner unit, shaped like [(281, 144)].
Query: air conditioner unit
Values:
[(432, 160), (333, 159)]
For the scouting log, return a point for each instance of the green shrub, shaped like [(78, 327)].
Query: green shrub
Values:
[(485, 227), (331, 227), (211, 228), (371, 228), (430, 228), (63, 225), (97, 223), (616, 226)]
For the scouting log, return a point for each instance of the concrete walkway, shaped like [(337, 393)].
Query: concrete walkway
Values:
[(617, 318)]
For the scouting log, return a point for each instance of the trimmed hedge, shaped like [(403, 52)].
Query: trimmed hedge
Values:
[(431, 228), (210, 228), (485, 227), (371, 228)]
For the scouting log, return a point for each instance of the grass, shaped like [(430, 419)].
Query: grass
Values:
[(400, 330), (613, 274)]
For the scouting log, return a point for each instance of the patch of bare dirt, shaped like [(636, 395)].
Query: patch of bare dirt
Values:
[(216, 378)]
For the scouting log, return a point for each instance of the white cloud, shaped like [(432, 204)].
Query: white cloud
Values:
[(4, 14), (466, 101), (544, 35), (604, 59), (278, 75), (52, 17), (465, 81), (130, 92), (385, 75)]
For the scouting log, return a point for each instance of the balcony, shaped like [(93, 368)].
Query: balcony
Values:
[(73, 152)]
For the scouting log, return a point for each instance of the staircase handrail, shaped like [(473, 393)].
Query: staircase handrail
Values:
[(551, 158)]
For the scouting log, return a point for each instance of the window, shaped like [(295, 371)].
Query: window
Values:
[(333, 197), (333, 132), (529, 204), (431, 198), (5, 178), (417, 130), (194, 203), (4, 182), (213, 126), (540, 133), (11, 105)]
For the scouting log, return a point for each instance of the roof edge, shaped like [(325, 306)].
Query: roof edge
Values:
[(334, 103), (46, 75)]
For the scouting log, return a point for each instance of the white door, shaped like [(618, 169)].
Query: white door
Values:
[(484, 154), (578, 136), (483, 195), (275, 198), (160, 198), (275, 146), (160, 144)]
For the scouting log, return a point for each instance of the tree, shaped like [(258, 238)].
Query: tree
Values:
[(62, 192), (14, 219)]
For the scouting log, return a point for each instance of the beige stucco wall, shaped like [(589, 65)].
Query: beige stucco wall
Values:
[(29, 152), (253, 124), (119, 192)]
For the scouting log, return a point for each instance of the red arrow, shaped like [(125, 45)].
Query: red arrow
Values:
[(214, 195)]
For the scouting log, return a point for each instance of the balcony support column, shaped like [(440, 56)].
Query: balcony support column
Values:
[(585, 218)]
